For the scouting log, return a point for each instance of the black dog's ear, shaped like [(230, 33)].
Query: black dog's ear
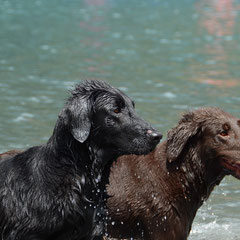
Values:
[(79, 113), (178, 137)]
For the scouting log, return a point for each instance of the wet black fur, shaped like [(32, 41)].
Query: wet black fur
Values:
[(56, 191)]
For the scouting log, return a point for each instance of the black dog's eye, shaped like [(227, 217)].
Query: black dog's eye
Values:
[(117, 110)]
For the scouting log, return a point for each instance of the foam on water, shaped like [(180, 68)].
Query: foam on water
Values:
[(23, 117), (169, 95), (217, 229)]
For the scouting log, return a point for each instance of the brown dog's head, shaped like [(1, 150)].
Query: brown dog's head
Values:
[(218, 134)]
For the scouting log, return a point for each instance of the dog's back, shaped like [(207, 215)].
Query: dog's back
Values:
[(40, 199), (9, 154)]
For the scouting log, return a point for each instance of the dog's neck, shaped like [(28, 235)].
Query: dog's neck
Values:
[(87, 158), (101, 160), (198, 178)]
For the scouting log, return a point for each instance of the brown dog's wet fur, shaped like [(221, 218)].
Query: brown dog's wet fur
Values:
[(156, 197), (10, 153)]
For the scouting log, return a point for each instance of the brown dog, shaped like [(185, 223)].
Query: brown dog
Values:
[(156, 197)]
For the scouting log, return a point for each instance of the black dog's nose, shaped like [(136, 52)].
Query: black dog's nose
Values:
[(155, 136)]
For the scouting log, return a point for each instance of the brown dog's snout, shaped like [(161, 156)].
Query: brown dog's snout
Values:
[(154, 135)]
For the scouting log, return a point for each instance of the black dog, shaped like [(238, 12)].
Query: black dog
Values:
[(56, 191)]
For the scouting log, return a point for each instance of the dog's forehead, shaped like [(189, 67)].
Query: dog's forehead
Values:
[(212, 114), (125, 98), (115, 97), (227, 118), (217, 121)]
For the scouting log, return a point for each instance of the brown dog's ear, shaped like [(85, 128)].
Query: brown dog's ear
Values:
[(178, 137)]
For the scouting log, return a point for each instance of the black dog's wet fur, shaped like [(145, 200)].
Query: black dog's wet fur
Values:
[(56, 191)]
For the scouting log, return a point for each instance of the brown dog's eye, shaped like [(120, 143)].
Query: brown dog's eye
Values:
[(238, 123), (226, 127), (224, 133)]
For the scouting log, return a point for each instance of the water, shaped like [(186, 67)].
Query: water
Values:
[(169, 56)]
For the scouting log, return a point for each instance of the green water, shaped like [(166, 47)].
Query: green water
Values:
[(169, 56)]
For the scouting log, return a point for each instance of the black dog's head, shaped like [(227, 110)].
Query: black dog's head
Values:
[(104, 115), (218, 137)]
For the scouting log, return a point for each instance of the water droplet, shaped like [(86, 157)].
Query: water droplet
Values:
[(83, 179), (45, 47), (184, 168), (116, 15)]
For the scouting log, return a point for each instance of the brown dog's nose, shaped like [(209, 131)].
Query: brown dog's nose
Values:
[(155, 136)]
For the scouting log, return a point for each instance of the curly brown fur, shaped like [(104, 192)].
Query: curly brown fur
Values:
[(156, 197)]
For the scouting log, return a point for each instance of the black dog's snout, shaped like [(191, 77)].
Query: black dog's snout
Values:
[(155, 136)]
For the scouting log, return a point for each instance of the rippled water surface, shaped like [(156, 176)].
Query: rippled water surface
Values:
[(169, 56)]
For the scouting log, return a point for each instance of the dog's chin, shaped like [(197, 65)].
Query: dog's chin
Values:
[(231, 167), (144, 152), (140, 151)]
